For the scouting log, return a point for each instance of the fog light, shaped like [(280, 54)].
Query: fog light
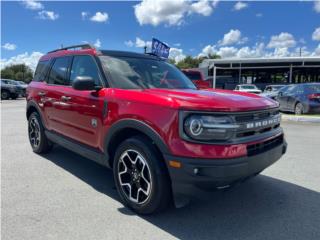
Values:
[(196, 171)]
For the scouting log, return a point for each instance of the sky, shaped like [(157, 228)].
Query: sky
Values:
[(231, 29)]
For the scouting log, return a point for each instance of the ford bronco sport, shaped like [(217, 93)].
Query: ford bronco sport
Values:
[(142, 117)]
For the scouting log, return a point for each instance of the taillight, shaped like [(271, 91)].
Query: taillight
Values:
[(314, 96)]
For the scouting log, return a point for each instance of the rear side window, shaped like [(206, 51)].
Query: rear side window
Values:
[(193, 75), (84, 66), (312, 88), (41, 71), (59, 70)]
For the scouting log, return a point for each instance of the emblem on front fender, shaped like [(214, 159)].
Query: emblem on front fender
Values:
[(94, 122)]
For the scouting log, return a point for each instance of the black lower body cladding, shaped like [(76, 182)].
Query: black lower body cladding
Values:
[(199, 174)]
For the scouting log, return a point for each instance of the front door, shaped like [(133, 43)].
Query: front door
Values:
[(84, 111)]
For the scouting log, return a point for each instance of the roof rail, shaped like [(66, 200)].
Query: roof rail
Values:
[(81, 46)]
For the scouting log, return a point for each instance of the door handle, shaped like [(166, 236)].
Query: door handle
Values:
[(65, 98), (42, 94)]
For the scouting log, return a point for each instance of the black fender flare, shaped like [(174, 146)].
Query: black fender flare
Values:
[(33, 104), (137, 125)]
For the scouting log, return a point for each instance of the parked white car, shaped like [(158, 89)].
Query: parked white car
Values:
[(249, 88)]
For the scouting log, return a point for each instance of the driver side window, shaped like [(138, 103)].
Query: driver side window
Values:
[(85, 66)]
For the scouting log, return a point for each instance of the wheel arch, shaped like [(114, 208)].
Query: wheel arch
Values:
[(33, 107), (123, 129)]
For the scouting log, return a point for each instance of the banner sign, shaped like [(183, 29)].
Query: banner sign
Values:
[(159, 48)]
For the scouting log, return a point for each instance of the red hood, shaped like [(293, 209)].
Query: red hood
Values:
[(220, 100)]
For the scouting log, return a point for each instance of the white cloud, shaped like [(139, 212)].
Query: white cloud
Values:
[(259, 15), (239, 6), (138, 43), (227, 52), (48, 15), (141, 43), (316, 51), (176, 54), (283, 40), (207, 50), (317, 6), (100, 17), (316, 34), (9, 46), (97, 44), (259, 50), (170, 12), (84, 15), (30, 60), (232, 37), (129, 43), (33, 5), (202, 7)]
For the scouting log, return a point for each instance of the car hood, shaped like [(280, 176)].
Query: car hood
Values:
[(211, 100)]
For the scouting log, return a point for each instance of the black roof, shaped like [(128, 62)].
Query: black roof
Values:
[(114, 53)]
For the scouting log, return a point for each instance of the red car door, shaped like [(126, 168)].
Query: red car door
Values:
[(83, 111)]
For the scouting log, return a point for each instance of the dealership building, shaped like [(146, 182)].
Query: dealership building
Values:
[(227, 73)]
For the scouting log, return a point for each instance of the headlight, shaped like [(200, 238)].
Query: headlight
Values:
[(209, 128)]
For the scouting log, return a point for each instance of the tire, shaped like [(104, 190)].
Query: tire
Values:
[(298, 109), (37, 138), (141, 176), (5, 94)]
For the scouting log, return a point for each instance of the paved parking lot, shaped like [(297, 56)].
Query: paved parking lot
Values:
[(64, 196)]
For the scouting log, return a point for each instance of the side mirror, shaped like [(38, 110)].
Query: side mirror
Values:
[(83, 83)]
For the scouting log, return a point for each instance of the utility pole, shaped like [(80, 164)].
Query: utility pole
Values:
[(300, 51), (145, 49)]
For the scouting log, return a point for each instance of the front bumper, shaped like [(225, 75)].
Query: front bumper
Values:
[(199, 174)]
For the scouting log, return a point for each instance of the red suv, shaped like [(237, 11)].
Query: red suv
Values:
[(142, 117), (197, 77)]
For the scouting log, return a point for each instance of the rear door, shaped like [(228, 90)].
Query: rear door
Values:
[(293, 97), (57, 84)]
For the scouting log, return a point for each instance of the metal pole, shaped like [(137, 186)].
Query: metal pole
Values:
[(214, 77), (290, 74), (240, 74)]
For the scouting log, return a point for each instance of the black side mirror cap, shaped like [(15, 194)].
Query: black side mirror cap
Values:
[(83, 83)]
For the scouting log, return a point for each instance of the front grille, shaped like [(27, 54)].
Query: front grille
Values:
[(255, 123), (258, 148), (256, 116)]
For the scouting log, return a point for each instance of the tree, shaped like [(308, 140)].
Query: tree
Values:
[(20, 72), (192, 62)]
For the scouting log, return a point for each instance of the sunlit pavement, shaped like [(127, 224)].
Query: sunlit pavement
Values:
[(64, 196)]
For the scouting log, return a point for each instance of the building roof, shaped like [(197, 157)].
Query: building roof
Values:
[(302, 60)]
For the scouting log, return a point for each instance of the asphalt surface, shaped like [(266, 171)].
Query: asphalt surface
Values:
[(64, 196)]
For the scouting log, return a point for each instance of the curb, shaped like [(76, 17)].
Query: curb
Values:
[(294, 118)]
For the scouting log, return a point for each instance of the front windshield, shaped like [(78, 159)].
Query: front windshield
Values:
[(140, 73), (248, 87), (277, 88)]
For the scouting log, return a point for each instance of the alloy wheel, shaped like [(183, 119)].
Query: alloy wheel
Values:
[(4, 95), (299, 109), (34, 132), (134, 176)]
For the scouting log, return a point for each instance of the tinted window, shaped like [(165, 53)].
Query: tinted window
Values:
[(137, 73), (193, 75), (41, 71), (58, 73), (312, 88), (84, 66)]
